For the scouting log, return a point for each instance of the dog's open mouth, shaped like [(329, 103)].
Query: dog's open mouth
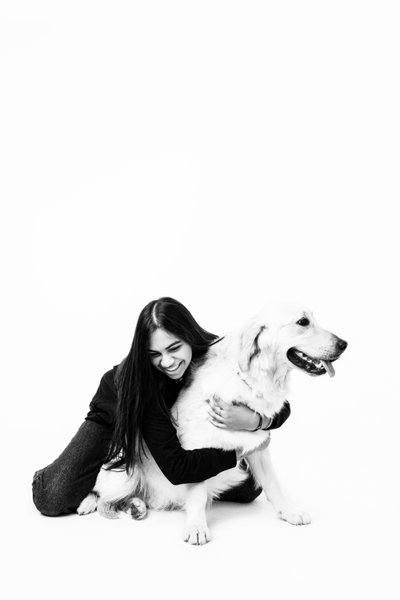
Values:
[(313, 366)]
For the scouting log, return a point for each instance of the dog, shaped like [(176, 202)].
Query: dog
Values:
[(252, 363)]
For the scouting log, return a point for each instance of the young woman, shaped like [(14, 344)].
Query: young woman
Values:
[(131, 406)]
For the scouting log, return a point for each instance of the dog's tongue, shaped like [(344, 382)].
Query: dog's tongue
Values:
[(328, 368)]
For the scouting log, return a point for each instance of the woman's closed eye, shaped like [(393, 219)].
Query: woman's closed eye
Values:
[(153, 353)]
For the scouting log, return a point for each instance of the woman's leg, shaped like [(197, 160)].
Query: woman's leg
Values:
[(247, 491), (59, 488)]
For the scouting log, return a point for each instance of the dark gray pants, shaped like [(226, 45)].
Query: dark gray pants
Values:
[(59, 488)]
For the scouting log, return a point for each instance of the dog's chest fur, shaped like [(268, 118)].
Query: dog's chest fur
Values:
[(220, 375)]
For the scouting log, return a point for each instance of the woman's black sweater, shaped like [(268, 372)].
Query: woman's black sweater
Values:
[(178, 465)]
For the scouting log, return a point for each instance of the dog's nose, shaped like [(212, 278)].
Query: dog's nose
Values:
[(341, 344)]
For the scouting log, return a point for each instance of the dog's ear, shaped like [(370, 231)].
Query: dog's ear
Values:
[(249, 347)]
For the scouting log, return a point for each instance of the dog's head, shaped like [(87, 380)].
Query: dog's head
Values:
[(286, 337)]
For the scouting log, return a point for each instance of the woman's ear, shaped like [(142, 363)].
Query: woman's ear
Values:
[(249, 347)]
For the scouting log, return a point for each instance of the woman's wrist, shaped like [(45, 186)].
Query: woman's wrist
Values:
[(266, 422), (263, 422), (258, 422)]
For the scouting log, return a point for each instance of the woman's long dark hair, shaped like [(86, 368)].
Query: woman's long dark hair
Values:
[(139, 382)]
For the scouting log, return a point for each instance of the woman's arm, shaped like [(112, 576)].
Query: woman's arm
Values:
[(179, 465), (239, 416), (280, 417), (103, 406)]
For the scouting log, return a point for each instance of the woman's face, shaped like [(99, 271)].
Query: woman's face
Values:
[(169, 354)]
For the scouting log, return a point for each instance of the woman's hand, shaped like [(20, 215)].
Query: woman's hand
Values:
[(232, 416)]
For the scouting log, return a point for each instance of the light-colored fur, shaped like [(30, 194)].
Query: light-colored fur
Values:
[(249, 363)]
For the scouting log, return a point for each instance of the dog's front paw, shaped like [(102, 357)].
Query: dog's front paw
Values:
[(197, 535), (88, 504), (137, 509), (295, 517)]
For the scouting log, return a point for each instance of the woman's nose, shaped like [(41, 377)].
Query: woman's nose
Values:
[(166, 361)]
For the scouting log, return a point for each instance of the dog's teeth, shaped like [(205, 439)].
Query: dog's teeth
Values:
[(329, 368)]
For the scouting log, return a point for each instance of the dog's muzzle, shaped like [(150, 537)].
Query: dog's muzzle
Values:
[(316, 365)]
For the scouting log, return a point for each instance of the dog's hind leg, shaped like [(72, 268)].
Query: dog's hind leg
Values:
[(196, 530), (262, 469)]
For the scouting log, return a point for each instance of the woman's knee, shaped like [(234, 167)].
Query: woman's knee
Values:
[(60, 487), (50, 494)]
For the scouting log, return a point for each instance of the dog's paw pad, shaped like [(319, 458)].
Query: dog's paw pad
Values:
[(295, 517), (88, 505), (197, 535), (137, 509)]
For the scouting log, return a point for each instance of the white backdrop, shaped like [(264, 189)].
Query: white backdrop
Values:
[(220, 153)]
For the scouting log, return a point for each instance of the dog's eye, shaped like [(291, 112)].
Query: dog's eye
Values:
[(303, 322)]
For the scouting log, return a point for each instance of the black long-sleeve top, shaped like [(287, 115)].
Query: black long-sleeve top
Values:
[(178, 465)]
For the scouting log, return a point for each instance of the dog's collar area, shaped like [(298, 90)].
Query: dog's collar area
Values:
[(244, 380), (239, 374)]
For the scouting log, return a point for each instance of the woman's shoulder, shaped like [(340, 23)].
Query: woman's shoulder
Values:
[(116, 372), (108, 380)]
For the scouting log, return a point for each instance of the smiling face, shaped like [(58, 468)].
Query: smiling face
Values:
[(169, 354)]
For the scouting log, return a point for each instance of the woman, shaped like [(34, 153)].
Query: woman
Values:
[(131, 406)]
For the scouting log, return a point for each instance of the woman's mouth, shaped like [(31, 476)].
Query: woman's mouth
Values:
[(173, 369)]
